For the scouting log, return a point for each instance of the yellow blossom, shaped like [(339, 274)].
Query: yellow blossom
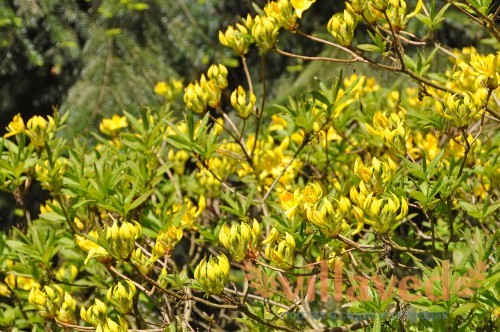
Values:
[(112, 127), (301, 6), (16, 126)]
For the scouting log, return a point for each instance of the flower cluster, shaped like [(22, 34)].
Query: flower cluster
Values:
[(212, 274), (241, 240), (205, 93), (53, 302)]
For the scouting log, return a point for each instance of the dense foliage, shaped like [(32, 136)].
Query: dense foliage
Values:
[(369, 201)]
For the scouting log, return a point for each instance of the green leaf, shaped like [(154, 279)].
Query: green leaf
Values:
[(369, 48)]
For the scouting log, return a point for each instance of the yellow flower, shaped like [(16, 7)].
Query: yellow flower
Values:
[(112, 127), (167, 240), (329, 219), (280, 249), (311, 195), (239, 39), (301, 6), (392, 130), (290, 202), (161, 88), (92, 248), (143, 263), (16, 126), (278, 123), (381, 213), (47, 301), (283, 13), (39, 130)]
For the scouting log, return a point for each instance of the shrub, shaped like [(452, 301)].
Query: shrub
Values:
[(358, 204)]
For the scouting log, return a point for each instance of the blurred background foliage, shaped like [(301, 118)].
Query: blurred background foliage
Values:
[(97, 58)]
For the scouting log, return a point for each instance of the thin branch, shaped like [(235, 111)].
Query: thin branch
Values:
[(312, 58)]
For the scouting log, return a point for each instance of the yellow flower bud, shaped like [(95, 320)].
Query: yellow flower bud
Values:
[(265, 31), (239, 101), (326, 217), (46, 301), (459, 109), (16, 126), (111, 326), (212, 274), (280, 249), (122, 296), (382, 213), (218, 74), (121, 239), (392, 130), (67, 273), (161, 88), (66, 311), (167, 240), (143, 263), (96, 314), (195, 98), (238, 39), (240, 239), (342, 26)]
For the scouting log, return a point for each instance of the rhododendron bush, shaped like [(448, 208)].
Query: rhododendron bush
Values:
[(360, 204)]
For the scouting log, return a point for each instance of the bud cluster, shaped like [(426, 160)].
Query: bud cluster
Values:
[(122, 296), (329, 215), (40, 130), (382, 214), (97, 315), (112, 127), (169, 90), (283, 12), (201, 94), (375, 175), (265, 32), (238, 39), (280, 249), (341, 26), (212, 274), (459, 109), (241, 239), (392, 130), (166, 241), (121, 239), (396, 12), (53, 302), (242, 104)]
